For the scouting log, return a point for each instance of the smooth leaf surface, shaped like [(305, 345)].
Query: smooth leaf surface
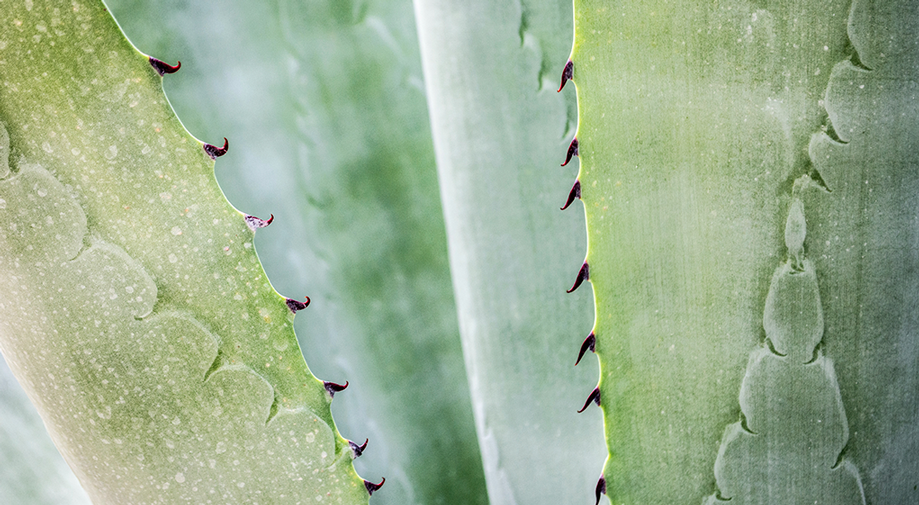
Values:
[(33, 470), (137, 316), (500, 130)]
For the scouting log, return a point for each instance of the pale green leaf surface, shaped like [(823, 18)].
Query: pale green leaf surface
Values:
[(863, 240), (135, 312), (500, 130), (699, 122), (324, 107), (33, 471)]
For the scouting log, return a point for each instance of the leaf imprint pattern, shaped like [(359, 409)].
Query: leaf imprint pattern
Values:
[(134, 310), (788, 445)]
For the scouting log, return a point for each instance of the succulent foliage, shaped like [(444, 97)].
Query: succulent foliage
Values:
[(136, 314), (749, 186), (706, 130)]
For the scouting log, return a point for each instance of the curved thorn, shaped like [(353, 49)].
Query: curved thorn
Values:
[(594, 397), (295, 305), (583, 275), (600, 489), (572, 150), (566, 74), (371, 487), (255, 223), (357, 450), (333, 388), (215, 152), (164, 68), (575, 193), (589, 343)]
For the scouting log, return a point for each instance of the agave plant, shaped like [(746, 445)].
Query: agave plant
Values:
[(748, 189)]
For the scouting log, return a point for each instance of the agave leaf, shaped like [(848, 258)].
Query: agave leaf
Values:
[(738, 246), (863, 236), (499, 130), (325, 104), (136, 314), (33, 470)]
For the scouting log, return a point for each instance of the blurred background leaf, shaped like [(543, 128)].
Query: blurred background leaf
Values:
[(500, 131), (33, 471)]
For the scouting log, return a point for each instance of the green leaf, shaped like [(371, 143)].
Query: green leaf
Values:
[(500, 130), (33, 470), (324, 105), (137, 316), (707, 142)]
